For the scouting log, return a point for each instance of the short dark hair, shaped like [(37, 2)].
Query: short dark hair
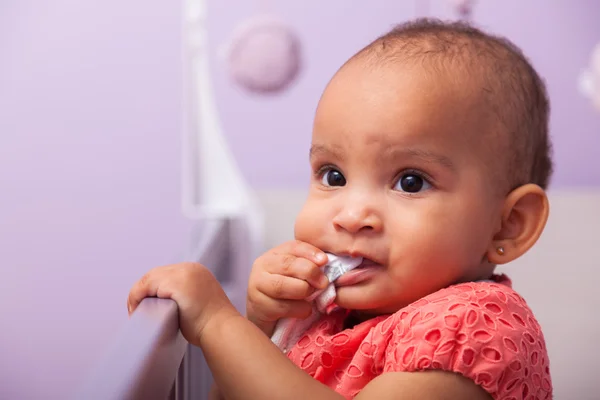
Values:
[(512, 88)]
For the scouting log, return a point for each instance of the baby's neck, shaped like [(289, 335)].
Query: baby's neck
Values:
[(355, 318)]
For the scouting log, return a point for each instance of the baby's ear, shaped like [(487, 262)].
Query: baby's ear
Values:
[(524, 217)]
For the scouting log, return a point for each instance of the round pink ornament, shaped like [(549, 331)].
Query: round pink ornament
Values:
[(264, 55)]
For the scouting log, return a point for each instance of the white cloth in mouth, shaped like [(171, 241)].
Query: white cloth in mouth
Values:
[(289, 330)]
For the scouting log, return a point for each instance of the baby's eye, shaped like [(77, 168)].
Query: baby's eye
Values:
[(333, 177), (412, 183)]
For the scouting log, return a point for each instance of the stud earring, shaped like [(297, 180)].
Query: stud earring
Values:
[(500, 251)]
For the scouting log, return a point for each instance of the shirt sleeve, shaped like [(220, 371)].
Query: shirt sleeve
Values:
[(483, 331)]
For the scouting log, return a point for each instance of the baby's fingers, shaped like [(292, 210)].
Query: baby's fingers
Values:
[(284, 287), (273, 310), (301, 249), (299, 268), (147, 286)]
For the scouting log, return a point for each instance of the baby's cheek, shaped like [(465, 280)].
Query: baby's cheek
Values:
[(310, 223), (300, 227), (475, 232), (433, 248), (461, 223)]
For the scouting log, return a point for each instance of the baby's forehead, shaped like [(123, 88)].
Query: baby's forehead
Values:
[(392, 97)]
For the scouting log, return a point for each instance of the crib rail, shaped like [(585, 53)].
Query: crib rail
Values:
[(144, 361), (150, 358)]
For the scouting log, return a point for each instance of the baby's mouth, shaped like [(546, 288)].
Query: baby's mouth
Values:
[(366, 263), (366, 270)]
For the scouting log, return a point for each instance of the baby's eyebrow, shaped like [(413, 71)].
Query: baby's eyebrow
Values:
[(317, 149), (425, 155), (393, 153)]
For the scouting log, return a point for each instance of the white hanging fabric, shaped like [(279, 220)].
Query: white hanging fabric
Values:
[(589, 80), (213, 186)]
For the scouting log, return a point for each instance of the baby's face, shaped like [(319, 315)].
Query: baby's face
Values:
[(399, 177)]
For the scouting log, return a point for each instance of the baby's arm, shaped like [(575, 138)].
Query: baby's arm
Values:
[(244, 362), (436, 385), (280, 280), (246, 365)]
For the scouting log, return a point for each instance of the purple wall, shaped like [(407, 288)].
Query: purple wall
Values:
[(90, 119), (89, 178)]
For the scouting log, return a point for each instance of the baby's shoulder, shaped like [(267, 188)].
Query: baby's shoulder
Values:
[(495, 306), (471, 314), (486, 305), (485, 331)]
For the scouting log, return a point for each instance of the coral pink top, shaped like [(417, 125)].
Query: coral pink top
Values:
[(484, 331)]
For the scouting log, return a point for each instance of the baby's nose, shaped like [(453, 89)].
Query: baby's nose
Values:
[(358, 218)]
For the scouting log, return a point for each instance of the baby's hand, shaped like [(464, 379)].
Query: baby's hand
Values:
[(281, 280), (198, 295)]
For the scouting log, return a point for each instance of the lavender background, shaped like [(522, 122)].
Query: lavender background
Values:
[(90, 122)]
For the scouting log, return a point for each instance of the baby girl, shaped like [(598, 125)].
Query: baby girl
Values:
[(430, 158)]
